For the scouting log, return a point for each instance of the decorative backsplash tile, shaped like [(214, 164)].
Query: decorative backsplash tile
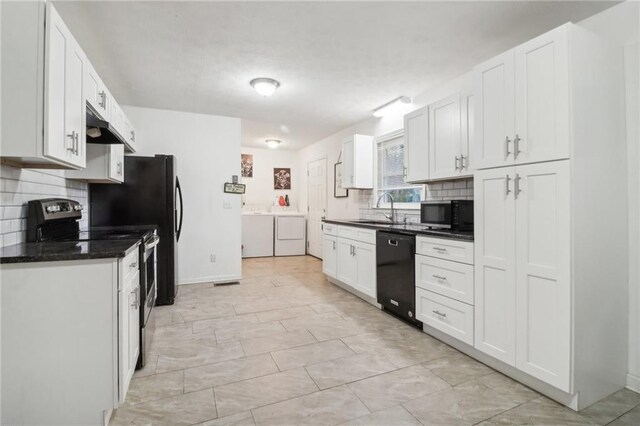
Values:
[(18, 186)]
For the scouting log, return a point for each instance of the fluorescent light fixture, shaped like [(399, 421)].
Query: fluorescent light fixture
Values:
[(265, 86), (396, 106), (273, 143)]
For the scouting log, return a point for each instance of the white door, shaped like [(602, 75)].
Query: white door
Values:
[(348, 163), (467, 121), (495, 244), (416, 145), (444, 138), (317, 205), (365, 255), (330, 255), (542, 98), (543, 291), (347, 265), (494, 90)]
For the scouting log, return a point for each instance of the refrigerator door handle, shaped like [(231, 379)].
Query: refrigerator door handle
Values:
[(179, 190)]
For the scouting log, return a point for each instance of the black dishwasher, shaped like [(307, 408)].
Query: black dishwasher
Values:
[(395, 260)]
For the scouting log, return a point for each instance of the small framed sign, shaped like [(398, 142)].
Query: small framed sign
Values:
[(234, 188)]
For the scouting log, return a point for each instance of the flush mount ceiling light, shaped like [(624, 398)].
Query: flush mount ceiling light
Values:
[(273, 143), (265, 86), (396, 106)]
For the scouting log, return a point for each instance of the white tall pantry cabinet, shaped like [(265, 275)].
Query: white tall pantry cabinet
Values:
[(550, 225)]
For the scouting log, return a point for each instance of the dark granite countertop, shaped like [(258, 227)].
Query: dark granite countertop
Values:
[(67, 250), (410, 228)]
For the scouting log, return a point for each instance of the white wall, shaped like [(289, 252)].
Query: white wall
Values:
[(621, 23), (259, 191), (207, 149)]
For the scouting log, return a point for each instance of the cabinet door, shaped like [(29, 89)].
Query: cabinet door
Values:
[(494, 90), (542, 98), (467, 125), (365, 255), (444, 138), (495, 244), (416, 146), (347, 265), (116, 162), (123, 342), (95, 92), (543, 291), (134, 324), (75, 104), (348, 165), (329, 255)]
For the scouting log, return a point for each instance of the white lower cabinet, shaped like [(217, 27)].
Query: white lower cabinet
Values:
[(129, 330), (451, 279), (523, 296), (350, 257), (447, 315)]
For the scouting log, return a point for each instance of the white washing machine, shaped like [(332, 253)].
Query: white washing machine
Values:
[(257, 234), (291, 234)]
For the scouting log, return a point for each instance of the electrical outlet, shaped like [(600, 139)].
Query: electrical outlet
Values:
[(213, 257)]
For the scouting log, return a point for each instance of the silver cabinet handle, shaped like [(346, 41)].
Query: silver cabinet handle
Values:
[(440, 249), (119, 167), (516, 146), (392, 243), (133, 136), (507, 179), (133, 264), (136, 302), (439, 277), (76, 143), (103, 102), (462, 166), (440, 314), (72, 135), (334, 244), (354, 250), (404, 171), (517, 189), (457, 167)]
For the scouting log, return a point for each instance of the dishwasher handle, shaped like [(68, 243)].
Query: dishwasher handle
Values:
[(393, 243)]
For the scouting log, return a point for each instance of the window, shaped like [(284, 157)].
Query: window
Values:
[(390, 174)]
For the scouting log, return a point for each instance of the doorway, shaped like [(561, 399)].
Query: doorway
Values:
[(316, 205)]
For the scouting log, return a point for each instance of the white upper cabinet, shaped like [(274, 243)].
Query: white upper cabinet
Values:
[(105, 164), (467, 122), (522, 106), (357, 162), (416, 146), (43, 102), (96, 93), (445, 138)]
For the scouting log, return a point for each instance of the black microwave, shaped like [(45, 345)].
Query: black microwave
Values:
[(454, 214)]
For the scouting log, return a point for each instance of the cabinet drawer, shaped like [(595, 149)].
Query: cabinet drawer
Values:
[(330, 229), (359, 234), (451, 279), (459, 251), (447, 315)]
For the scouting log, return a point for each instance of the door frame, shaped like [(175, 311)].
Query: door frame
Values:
[(326, 203)]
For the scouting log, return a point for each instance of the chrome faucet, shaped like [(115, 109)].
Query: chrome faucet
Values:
[(392, 216)]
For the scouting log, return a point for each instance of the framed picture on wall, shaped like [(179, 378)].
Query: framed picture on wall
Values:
[(338, 190), (281, 178), (246, 164)]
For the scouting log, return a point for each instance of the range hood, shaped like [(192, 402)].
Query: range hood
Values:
[(101, 131)]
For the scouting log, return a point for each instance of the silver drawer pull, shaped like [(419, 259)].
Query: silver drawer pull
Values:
[(440, 249), (440, 314), (392, 243), (439, 277), (133, 265)]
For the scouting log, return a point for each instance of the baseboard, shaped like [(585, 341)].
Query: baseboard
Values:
[(633, 382), (214, 280)]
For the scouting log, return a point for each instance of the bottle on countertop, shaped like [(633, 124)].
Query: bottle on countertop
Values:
[(286, 201)]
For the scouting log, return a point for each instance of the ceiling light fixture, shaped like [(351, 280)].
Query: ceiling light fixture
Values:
[(396, 106), (273, 143), (265, 86)]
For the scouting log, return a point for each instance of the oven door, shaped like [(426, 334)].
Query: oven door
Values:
[(436, 214), (148, 272)]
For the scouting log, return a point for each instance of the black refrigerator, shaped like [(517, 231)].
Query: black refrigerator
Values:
[(150, 195)]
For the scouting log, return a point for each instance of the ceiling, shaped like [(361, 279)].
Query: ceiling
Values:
[(336, 60)]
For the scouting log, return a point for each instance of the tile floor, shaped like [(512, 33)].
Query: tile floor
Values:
[(286, 347)]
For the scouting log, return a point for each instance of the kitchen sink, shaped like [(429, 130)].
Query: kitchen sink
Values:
[(373, 222)]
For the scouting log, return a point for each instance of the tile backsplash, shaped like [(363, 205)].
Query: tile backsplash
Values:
[(18, 186), (458, 189)]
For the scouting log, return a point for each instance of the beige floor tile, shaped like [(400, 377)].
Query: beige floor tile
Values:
[(614, 406), (329, 407), (288, 359), (458, 369), (328, 332), (462, 405), (285, 313), (240, 419), (389, 389), (264, 305), (277, 342), (249, 331), (394, 416), (225, 322), (328, 319), (248, 394), (185, 409), (630, 418), (155, 387), (540, 412), (349, 369), (202, 311), (195, 355), (225, 372)]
